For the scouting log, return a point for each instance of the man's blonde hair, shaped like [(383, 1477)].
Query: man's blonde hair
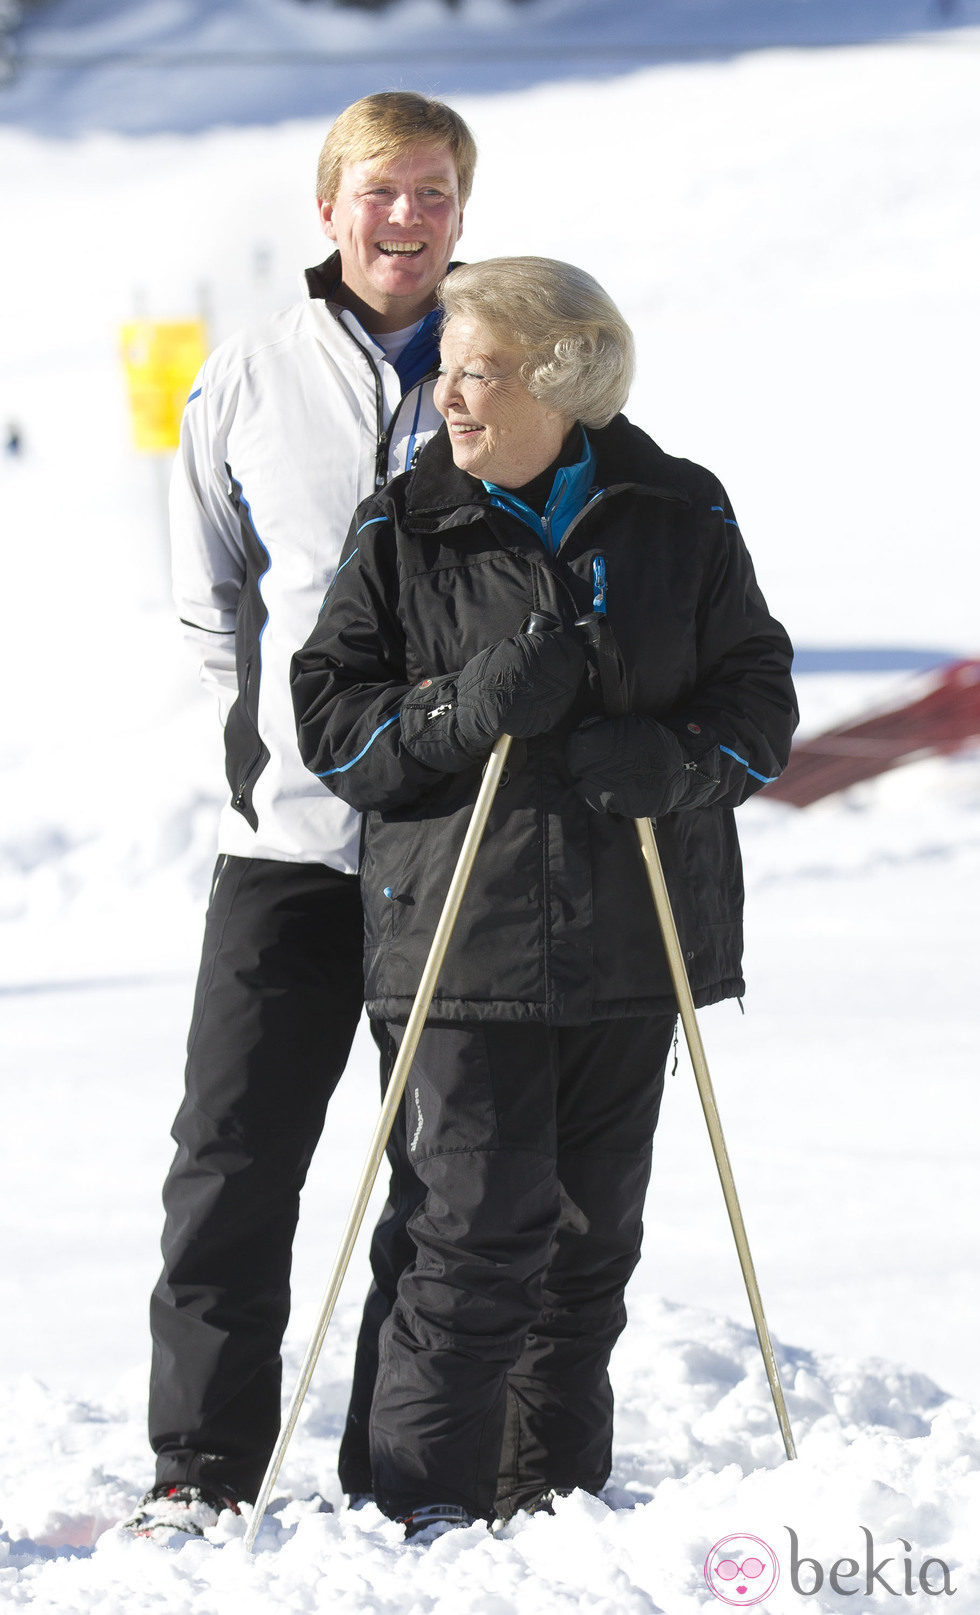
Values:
[(387, 125), (577, 349)]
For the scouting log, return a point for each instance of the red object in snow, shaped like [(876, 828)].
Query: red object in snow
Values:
[(940, 722)]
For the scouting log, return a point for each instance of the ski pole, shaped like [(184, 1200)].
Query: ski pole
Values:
[(685, 1002), (389, 1110), (538, 622)]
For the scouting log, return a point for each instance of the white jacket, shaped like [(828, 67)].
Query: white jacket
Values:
[(288, 427)]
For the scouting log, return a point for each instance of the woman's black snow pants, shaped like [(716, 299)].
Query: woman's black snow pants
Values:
[(533, 1146)]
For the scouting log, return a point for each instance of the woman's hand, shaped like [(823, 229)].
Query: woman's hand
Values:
[(638, 768), (522, 686)]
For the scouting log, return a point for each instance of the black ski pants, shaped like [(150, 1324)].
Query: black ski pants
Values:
[(533, 1147), (278, 999)]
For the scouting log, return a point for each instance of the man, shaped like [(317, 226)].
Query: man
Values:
[(287, 428)]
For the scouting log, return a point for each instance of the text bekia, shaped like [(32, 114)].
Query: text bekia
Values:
[(894, 1574)]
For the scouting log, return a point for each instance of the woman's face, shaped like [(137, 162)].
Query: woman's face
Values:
[(497, 430)]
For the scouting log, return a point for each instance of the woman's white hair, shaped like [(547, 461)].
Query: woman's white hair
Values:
[(578, 350)]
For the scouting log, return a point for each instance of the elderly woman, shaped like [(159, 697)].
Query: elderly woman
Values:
[(534, 1096)]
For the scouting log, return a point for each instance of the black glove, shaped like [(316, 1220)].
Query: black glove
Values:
[(521, 686), (636, 767)]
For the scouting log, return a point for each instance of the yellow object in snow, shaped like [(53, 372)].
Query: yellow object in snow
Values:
[(161, 359)]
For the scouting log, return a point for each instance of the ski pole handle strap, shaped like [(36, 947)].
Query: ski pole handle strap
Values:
[(604, 654)]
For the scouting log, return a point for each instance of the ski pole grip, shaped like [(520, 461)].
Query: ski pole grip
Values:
[(540, 622), (606, 659)]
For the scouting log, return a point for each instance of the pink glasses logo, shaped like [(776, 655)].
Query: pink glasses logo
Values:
[(741, 1570)]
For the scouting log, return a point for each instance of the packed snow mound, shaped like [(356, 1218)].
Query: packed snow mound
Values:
[(698, 1457)]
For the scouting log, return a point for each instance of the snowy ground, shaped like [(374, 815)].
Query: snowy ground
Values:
[(794, 237)]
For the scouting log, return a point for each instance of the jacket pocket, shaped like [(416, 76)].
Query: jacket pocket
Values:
[(390, 874)]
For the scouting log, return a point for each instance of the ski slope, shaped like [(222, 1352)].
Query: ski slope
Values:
[(793, 234)]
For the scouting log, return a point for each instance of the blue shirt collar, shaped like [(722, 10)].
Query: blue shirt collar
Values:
[(418, 356), (569, 494)]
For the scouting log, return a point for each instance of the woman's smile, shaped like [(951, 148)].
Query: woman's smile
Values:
[(498, 430)]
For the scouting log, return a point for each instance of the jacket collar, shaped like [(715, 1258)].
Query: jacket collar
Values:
[(624, 454), (570, 489), (438, 488), (323, 279)]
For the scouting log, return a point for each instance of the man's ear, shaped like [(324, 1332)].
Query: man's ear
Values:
[(325, 210)]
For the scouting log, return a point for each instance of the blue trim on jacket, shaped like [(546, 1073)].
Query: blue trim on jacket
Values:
[(342, 769), (767, 779)]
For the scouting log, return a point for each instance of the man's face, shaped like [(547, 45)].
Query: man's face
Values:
[(395, 222)]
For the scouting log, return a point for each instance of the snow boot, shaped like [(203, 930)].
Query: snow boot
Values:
[(434, 1520), (167, 1508), (542, 1502)]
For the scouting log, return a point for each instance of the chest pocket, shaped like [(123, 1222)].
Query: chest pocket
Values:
[(460, 607)]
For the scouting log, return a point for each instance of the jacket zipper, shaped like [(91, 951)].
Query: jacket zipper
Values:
[(384, 433), (381, 456), (382, 475), (245, 778)]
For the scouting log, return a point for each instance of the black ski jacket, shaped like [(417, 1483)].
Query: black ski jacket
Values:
[(557, 924)]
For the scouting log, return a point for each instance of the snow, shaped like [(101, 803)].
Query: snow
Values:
[(78, 65), (793, 234), (880, 1448)]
